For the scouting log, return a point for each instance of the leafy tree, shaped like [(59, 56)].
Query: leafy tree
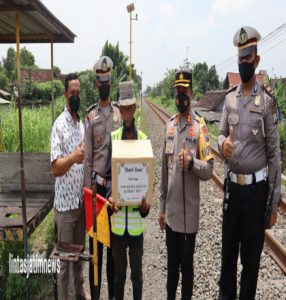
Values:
[(168, 84), (204, 79), (120, 64), (27, 59), (200, 75), (9, 64), (4, 80), (148, 90), (57, 71), (280, 95), (120, 61), (88, 92), (213, 80), (116, 79)]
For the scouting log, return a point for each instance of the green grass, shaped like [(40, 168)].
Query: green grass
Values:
[(168, 104), (139, 114), (37, 124), (36, 128), (213, 129), (44, 237)]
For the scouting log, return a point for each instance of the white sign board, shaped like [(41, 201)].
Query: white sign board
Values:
[(132, 182)]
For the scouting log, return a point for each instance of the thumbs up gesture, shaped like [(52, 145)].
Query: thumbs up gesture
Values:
[(184, 157), (228, 145)]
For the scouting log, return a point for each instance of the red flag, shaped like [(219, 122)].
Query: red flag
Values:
[(103, 231)]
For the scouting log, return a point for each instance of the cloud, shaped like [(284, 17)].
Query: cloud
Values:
[(167, 11)]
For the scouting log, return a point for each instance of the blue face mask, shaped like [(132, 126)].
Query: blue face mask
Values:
[(74, 102), (182, 102)]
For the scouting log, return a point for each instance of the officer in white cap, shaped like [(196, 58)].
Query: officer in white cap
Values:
[(102, 118), (249, 141)]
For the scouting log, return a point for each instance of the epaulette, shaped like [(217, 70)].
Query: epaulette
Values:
[(172, 117), (231, 89), (268, 90), (197, 118), (91, 107), (115, 104)]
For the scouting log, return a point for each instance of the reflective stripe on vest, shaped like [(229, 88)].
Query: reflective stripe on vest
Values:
[(127, 215), (135, 224)]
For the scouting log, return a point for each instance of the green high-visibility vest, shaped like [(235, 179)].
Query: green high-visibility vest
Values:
[(127, 215)]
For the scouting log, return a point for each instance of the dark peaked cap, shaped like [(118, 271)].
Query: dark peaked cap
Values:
[(183, 78)]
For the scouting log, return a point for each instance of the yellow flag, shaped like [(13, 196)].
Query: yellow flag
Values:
[(103, 230), (204, 144)]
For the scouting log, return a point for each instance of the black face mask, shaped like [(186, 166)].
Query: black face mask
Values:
[(74, 102), (182, 102), (104, 92), (246, 71)]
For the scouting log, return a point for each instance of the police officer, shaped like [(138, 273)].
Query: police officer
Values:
[(249, 140), (187, 159), (102, 118)]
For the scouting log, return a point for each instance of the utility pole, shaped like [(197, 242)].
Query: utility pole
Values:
[(130, 9)]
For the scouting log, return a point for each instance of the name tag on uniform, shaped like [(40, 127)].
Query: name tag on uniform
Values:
[(256, 111), (170, 138), (190, 140), (170, 147)]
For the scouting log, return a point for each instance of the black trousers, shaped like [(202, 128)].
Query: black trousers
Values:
[(119, 252), (242, 230), (95, 293), (180, 258)]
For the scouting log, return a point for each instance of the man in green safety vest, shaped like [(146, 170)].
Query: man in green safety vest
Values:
[(127, 224)]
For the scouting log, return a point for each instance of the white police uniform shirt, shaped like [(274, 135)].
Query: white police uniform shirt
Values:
[(65, 138)]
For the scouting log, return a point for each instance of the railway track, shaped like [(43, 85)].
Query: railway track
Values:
[(276, 250)]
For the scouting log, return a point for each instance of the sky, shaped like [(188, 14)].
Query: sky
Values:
[(165, 33)]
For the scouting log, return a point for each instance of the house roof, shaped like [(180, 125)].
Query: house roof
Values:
[(4, 101), (37, 23), (41, 75), (233, 79), (211, 99), (275, 81), (209, 116), (4, 94)]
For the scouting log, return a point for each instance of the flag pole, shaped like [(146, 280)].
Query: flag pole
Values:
[(95, 252)]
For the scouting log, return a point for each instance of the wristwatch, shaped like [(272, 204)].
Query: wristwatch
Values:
[(191, 164)]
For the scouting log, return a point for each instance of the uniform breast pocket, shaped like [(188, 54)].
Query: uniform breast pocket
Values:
[(169, 151), (233, 119), (99, 135), (254, 128)]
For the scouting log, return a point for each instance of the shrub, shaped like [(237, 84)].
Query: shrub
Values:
[(41, 90)]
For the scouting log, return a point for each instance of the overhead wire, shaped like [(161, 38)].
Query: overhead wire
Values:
[(265, 41)]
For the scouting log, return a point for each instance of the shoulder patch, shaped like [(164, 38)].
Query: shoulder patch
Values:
[(231, 89), (93, 106), (268, 90), (115, 104)]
